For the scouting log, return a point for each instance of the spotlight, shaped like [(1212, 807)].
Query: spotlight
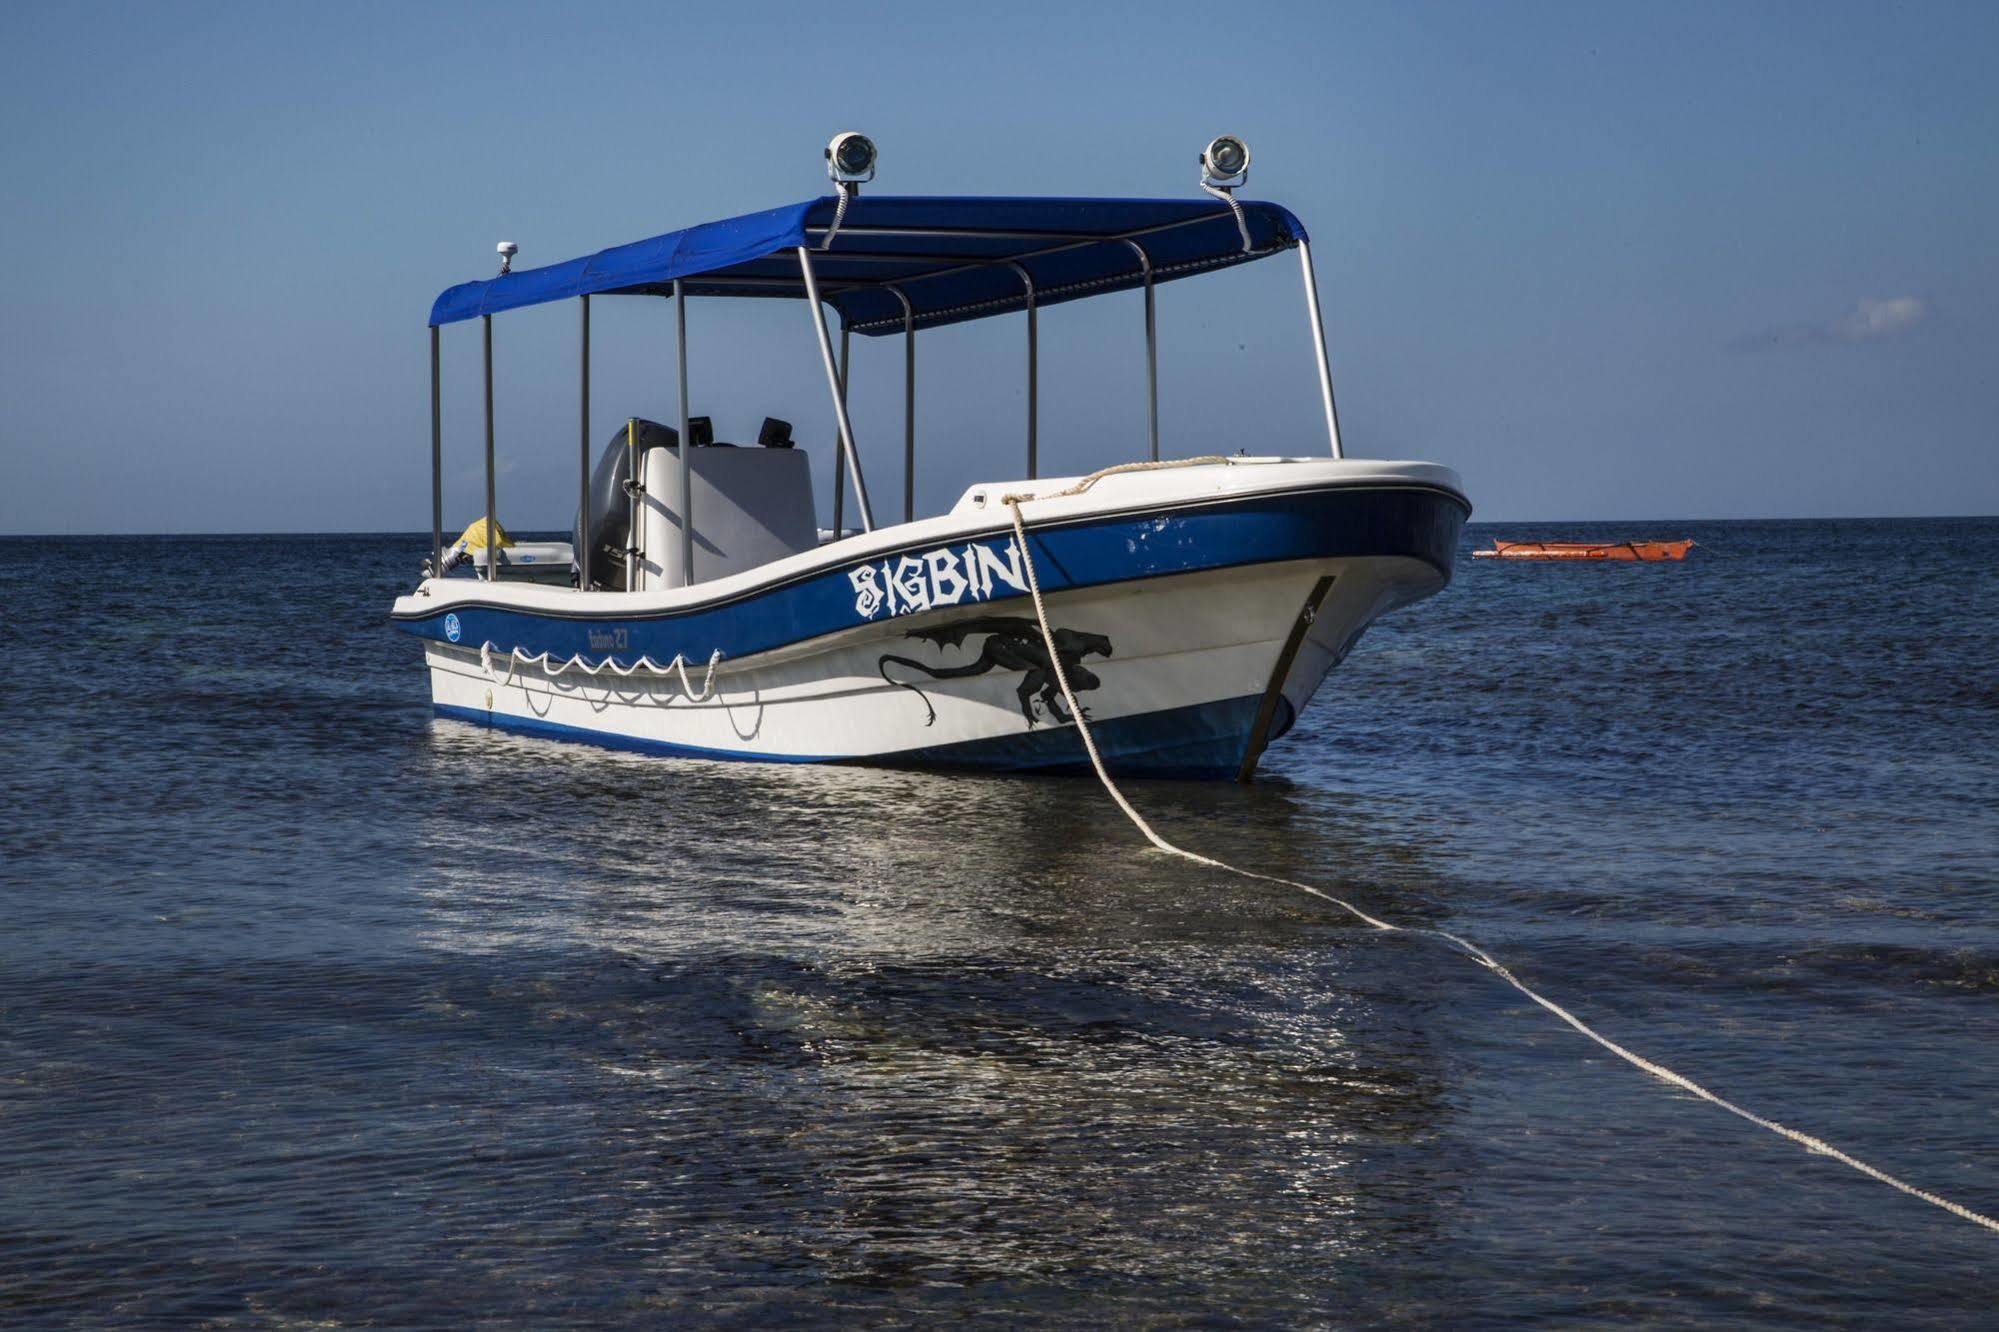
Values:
[(507, 251), (1224, 168), (1225, 161), (850, 158)]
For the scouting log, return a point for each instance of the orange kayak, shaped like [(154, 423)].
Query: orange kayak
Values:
[(1646, 551)]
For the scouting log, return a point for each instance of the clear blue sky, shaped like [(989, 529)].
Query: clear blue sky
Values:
[(1609, 260)]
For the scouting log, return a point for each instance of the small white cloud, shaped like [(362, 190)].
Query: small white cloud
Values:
[(1870, 319)]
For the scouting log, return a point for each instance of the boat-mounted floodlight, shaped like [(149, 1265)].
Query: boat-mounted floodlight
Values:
[(1225, 162), (850, 161), (1224, 168), (507, 251), (850, 158)]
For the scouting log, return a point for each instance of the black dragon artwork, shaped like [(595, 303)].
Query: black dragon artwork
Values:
[(1012, 644)]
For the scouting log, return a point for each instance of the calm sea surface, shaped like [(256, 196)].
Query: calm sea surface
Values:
[(317, 1011)]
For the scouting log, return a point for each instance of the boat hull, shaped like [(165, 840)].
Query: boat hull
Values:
[(1193, 632)]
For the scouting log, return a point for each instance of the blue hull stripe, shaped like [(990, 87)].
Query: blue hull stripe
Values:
[(1204, 740), (1256, 529)]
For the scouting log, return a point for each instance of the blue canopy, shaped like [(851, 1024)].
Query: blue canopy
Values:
[(952, 259)]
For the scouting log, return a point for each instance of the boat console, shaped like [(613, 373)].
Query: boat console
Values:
[(752, 504)]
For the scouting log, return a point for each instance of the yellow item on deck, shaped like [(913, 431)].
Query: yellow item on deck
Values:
[(475, 538)]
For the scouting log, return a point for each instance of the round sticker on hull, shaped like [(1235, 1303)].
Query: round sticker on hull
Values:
[(451, 629)]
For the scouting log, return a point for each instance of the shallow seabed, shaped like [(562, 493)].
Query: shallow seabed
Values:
[(316, 1010)]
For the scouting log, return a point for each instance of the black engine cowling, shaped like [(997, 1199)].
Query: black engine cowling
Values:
[(611, 509)]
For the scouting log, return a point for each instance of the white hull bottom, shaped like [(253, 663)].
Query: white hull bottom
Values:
[(1177, 674)]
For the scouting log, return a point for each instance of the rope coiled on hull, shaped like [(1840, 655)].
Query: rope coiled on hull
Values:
[(644, 665), (1462, 947)]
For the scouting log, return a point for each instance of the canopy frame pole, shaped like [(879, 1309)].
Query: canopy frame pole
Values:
[(632, 492), (908, 406), (1151, 352), (492, 565), (686, 443), (839, 458), (583, 461), (833, 385), (436, 457), (1319, 344), (1068, 241), (1062, 239), (1033, 374)]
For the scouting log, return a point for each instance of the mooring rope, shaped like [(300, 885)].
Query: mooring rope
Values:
[(516, 659), (1462, 946), (1206, 460)]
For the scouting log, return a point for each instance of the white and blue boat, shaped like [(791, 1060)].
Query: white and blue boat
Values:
[(1197, 603)]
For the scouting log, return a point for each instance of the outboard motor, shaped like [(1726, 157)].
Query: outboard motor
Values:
[(611, 508)]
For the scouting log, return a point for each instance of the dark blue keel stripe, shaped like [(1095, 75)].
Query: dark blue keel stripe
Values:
[(1203, 740), (549, 730), (1200, 740)]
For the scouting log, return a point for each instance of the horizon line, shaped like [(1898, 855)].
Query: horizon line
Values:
[(1487, 522)]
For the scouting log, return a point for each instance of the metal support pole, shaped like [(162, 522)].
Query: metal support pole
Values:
[(492, 564), (839, 459), (833, 384), (1151, 353), (631, 503), (1319, 342), (583, 463), (436, 459), (686, 444), (1033, 376), (908, 407)]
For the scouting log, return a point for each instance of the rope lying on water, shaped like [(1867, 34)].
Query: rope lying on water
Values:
[(1463, 947)]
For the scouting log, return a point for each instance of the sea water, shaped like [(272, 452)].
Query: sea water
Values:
[(315, 1009)]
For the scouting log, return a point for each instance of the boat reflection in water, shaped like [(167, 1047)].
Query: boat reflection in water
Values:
[(888, 1026)]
